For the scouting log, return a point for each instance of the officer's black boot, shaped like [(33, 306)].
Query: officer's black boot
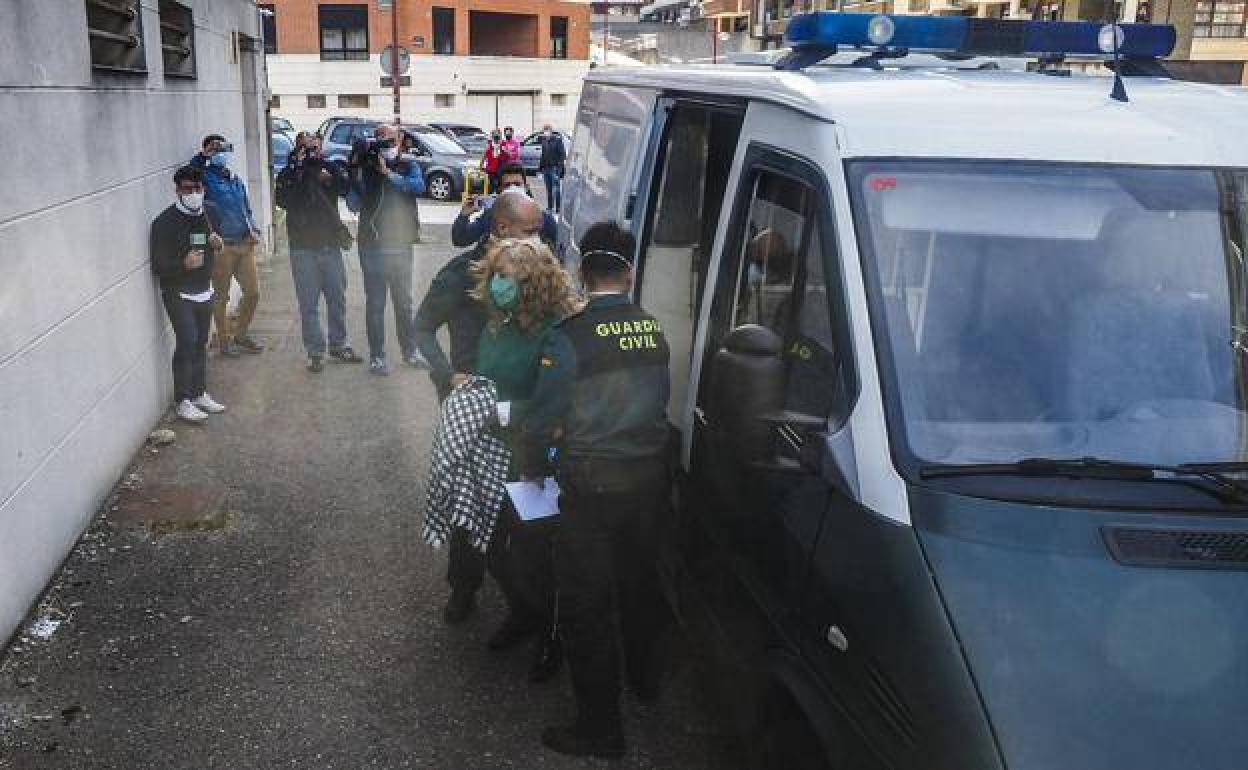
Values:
[(514, 630), (459, 607), (548, 660)]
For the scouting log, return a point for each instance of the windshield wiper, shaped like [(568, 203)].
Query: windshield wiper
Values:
[(1214, 474)]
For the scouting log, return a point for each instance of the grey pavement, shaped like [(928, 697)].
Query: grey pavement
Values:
[(256, 595)]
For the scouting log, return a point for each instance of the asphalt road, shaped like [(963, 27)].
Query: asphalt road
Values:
[(256, 595)]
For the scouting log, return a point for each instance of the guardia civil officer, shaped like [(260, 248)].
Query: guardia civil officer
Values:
[(601, 402)]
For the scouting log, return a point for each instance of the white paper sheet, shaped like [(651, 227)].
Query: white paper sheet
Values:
[(534, 501)]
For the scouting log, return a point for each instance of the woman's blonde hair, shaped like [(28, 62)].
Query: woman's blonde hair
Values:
[(546, 289)]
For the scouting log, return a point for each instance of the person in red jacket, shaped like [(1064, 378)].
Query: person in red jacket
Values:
[(510, 146), (495, 158)]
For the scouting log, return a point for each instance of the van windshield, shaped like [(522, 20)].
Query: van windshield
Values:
[(1032, 310)]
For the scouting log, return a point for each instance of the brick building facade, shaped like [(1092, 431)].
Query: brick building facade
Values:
[(483, 62), (525, 26)]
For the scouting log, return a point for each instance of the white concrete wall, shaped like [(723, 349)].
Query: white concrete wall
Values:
[(84, 345), (293, 76)]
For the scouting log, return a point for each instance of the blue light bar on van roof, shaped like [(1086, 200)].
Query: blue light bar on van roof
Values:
[(970, 36)]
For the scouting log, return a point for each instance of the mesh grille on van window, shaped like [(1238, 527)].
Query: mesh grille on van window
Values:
[(1178, 548)]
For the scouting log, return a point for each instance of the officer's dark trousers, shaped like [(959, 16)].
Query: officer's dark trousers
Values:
[(606, 552), (519, 559)]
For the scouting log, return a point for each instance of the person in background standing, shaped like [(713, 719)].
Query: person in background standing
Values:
[(237, 261), (601, 400), (389, 225), (493, 160), (183, 248), (511, 148), (552, 167), (308, 189)]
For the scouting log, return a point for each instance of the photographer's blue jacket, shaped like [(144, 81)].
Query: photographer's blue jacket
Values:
[(228, 193)]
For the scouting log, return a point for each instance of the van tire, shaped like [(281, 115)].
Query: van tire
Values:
[(441, 188), (784, 739)]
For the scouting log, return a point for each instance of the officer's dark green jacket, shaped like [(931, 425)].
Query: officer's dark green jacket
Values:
[(602, 386)]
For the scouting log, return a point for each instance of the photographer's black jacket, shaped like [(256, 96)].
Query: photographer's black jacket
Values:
[(312, 220), (170, 242)]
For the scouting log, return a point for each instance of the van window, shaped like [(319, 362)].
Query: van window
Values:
[(779, 284), (688, 192), (604, 154)]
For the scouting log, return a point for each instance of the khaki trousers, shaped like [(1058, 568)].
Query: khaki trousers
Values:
[(236, 261)]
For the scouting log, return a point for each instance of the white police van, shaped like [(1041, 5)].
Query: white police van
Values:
[(958, 366)]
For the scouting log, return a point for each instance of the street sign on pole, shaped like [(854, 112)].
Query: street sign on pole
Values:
[(386, 60)]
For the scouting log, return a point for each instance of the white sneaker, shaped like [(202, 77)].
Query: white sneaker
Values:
[(189, 412), (205, 404)]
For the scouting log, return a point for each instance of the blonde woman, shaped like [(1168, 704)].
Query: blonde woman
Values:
[(525, 292)]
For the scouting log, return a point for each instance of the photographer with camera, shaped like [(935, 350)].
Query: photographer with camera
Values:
[(308, 189), (475, 220), (388, 184)]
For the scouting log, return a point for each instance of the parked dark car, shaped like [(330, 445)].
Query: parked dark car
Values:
[(280, 146)]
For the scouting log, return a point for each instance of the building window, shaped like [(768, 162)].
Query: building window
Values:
[(316, 101), (344, 32), (353, 101), (275, 102), (444, 100), (177, 39), (558, 100), (115, 34), (444, 31), (1219, 18), (558, 37), (268, 26)]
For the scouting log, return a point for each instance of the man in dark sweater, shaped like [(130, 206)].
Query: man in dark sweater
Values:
[(551, 166), (184, 245), (448, 303)]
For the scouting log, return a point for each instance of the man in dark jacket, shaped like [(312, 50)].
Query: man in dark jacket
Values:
[(309, 188), (448, 303), (389, 225), (470, 226), (551, 166), (237, 261), (183, 248), (601, 401)]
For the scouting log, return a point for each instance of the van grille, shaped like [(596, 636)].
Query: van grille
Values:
[(1178, 548)]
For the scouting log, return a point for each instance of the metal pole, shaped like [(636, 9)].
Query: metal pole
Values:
[(394, 57), (714, 41), (606, 26)]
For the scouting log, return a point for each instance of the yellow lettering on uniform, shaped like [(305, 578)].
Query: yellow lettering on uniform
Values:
[(624, 343), (650, 343), (657, 328), (615, 327)]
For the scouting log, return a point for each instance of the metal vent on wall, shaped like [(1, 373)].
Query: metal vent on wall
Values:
[(115, 34), (1192, 549)]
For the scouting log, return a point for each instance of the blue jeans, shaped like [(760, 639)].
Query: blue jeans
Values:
[(387, 270), (554, 191), (316, 272)]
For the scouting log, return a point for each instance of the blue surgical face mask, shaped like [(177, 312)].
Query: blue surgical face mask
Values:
[(504, 293), (221, 159)]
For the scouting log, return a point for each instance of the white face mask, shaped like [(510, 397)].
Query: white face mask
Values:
[(192, 201), (390, 153), (546, 133)]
